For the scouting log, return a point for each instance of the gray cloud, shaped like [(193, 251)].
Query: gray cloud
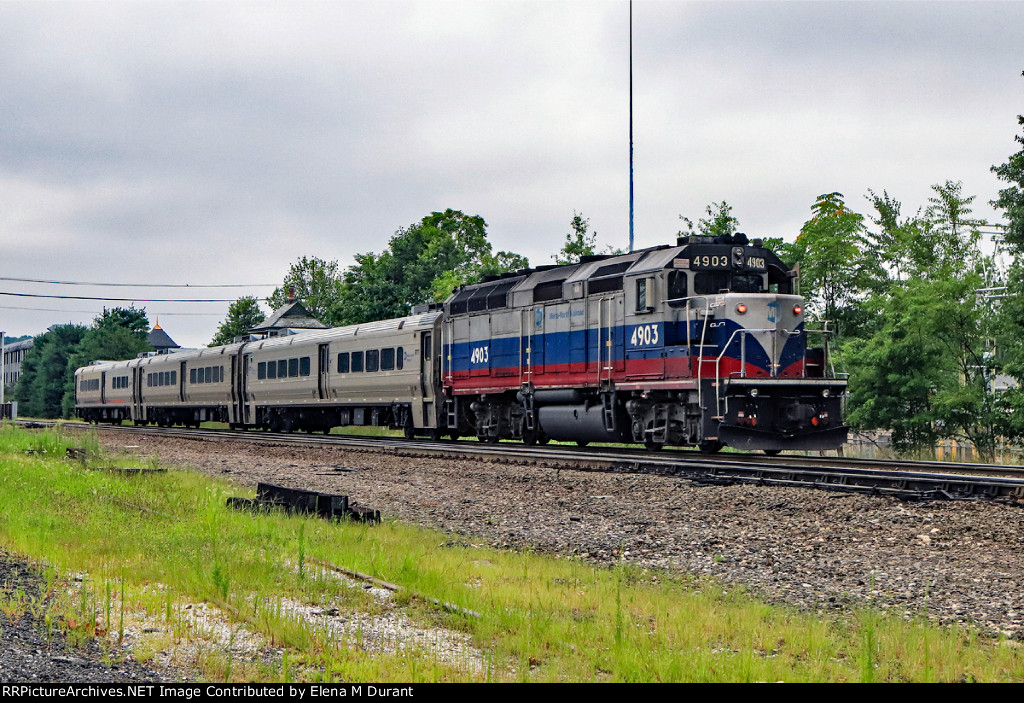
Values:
[(209, 142)]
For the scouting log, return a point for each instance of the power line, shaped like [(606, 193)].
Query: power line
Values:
[(140, 285), (97, 312), (121, 300)]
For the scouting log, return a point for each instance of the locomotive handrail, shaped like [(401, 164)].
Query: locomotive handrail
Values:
[(825, 334), (703, 336)]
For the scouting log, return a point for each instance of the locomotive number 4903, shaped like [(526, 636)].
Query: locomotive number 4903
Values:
[(479, 355), (644, 335)]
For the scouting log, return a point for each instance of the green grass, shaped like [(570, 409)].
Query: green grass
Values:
[(154, 543)]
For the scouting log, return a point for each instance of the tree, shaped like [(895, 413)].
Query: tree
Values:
[(423, 262), (897, 240), (925, 374), (45, 373), (115, 335), (316, 282), (720, 222), (133, 319), (837, 266), (1011, 198), (953, 232), (1010, 325), (580, 243), (243, 315)]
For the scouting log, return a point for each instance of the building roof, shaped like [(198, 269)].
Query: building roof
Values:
[(159, 340), (292, 315)]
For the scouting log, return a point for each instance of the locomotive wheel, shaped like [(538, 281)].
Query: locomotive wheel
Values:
[(652, 446), (582, 443), (409, 431), (529, 437), (492, 440), (711, 447), (435, 435), (454, 435), (772, 452), (543, 439)]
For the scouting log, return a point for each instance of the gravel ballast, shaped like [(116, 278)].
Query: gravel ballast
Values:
[(30, 652), (958, 562)]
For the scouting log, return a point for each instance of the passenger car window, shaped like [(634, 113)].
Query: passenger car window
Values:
[(343, 362), (282, 368), (293, 367), (372, 359), (357, 362), (387, 359), (272, 369), (304, 366), (400, 358)]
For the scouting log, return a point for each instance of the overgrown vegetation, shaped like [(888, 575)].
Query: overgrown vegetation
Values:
[(158, 546)]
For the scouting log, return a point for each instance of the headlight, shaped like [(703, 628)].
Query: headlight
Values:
[(753, 392), (741, 308), (826, 393)]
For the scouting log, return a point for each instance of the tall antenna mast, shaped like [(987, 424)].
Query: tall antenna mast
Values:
[(631, 125)]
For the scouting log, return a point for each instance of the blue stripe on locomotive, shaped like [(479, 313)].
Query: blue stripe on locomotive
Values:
[(559, 348)]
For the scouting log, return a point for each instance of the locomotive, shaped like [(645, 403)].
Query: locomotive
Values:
[(702, 343)]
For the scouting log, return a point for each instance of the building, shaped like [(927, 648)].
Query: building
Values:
[(292, 317), (160, 340), (13, 354)]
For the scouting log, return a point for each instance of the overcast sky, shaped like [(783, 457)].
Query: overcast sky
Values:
[(215, 142)]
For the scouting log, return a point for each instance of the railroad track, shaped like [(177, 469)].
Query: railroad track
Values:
[(913, 480)]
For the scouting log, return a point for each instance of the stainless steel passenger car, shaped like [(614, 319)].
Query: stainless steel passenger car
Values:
[(380, 373), (103, 391)]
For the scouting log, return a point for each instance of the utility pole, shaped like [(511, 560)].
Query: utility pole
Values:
[(3, 369), (631, 125)]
